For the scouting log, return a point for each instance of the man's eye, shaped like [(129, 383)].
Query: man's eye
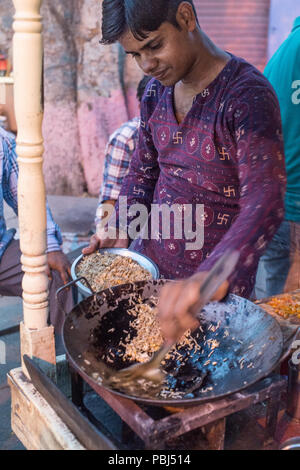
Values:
[(156, 46)]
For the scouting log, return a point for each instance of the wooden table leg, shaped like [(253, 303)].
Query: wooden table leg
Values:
[(273, 406), (215, 434), (77, 388)]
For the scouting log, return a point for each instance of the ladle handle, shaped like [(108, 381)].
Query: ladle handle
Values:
[(69, 284)]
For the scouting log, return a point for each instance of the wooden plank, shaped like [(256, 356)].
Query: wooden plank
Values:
[(84, 430), (33, 421)]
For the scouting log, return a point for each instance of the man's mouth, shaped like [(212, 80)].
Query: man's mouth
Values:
[(161, 75)]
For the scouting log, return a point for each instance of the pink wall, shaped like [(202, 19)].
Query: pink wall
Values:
[(96, 120)]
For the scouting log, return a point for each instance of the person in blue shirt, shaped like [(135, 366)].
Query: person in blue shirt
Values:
[(282, 258), (11, 273)]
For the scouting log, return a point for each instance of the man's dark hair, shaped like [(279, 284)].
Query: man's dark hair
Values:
[(138, 16), (142, 87)]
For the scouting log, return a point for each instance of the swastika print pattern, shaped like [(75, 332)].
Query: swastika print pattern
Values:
[(226, 154)]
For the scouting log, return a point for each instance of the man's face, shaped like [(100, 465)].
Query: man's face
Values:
[(165, 54)]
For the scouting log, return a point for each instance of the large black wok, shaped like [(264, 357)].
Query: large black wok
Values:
[(250, 345)]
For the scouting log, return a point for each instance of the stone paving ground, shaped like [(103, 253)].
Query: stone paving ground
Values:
[(75, 217)]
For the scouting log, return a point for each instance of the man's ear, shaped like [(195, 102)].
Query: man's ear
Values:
[(186, 17)]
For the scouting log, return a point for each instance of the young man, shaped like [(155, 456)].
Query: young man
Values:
[(210, 134), (11, 273)]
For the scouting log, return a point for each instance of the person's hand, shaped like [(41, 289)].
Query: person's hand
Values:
[(176, 306), (58, 261), (105, 237), (96, 243)]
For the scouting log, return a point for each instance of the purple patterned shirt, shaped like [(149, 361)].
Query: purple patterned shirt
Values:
[(226, 154)]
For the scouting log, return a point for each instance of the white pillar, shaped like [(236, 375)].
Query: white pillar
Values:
[(36, 338)]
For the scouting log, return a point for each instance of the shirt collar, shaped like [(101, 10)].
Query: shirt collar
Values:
[(296, 23)]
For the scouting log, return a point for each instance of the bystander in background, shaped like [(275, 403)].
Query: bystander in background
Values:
[(279, 267), (11, 273)]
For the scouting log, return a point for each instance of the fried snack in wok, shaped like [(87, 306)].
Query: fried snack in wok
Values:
[(148, 337)]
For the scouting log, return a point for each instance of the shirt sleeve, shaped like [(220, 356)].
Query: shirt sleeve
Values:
[(54, 238), (254, 124), (117, 160), (118, 154), (10, 174)]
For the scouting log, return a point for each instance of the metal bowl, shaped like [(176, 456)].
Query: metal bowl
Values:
[(142, 260)]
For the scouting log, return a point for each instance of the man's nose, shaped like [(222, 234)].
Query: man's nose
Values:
[(148, 65)]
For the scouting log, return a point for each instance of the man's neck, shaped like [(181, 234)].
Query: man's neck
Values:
[(209, 62)]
